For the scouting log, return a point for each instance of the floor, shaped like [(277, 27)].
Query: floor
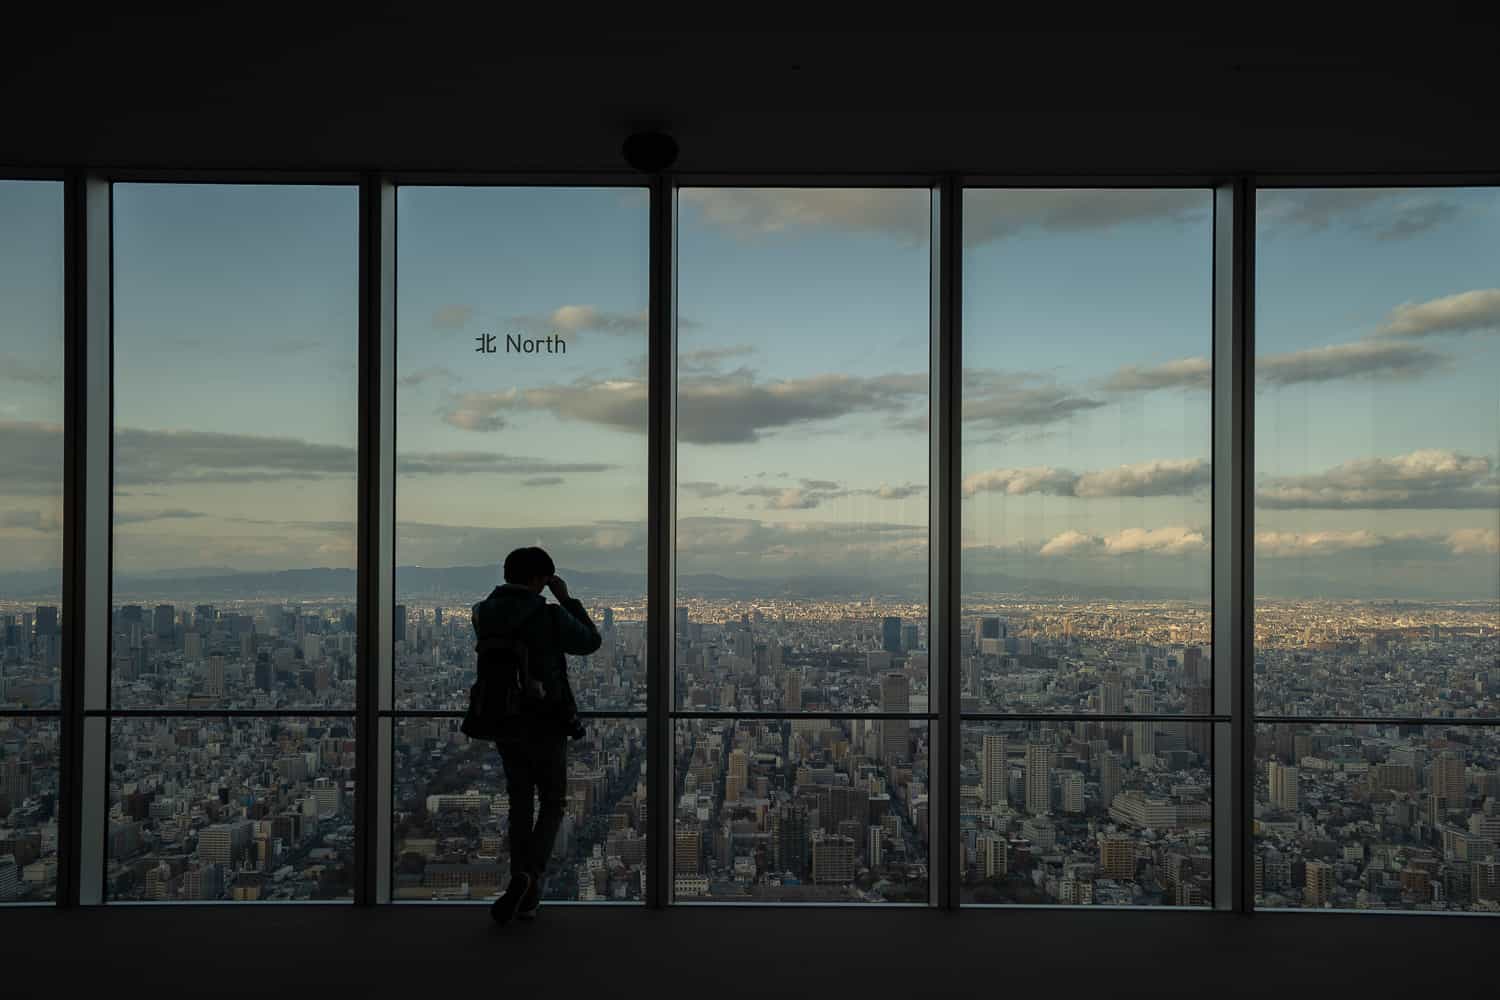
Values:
[(729, 952)]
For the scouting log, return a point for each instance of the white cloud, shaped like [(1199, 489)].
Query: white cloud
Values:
[(1358, 359), (1474, 541), (1430, 478), (1019, 482), (1183, 373), (1160, 477), (1283, 544), (731, 408), (1002, 401), (1467, 312), (1170, 540)]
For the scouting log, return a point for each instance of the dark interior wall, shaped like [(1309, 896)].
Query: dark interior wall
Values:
[(267, 86)]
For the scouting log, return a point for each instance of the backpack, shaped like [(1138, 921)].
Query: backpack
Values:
[(504, 693)]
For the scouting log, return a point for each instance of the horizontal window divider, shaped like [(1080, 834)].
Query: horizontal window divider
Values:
[(1085, 717), (220, 713), (919, 716), (1394, 180), (227, 175), (796, 179), (623, 178), (1360, 720), (1187, 179), (417, 713)]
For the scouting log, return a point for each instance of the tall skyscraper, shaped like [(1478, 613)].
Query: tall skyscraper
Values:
[(1199, 702), (1448, 781), (46, 620), (909, 640), (216, 676), (1117, 856), (1192, 666), (1109, 778), (991, 628), (1283, 785), (791, 839), (1111, 694), (895, 696), (1144, 733), (1318, 888), (994, 773), (687, 850), (792, 698), (398, 624), (738, 777), (163, 621), (1070, 787), (890, 634), (682, 623), (1039, 760)]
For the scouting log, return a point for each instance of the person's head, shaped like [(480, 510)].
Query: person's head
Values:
[(529, 567)]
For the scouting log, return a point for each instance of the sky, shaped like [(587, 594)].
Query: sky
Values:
[(802, 392)]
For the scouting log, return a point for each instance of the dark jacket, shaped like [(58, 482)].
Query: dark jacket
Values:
[(549, 631)]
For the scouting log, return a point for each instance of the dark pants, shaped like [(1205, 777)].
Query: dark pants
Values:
[(540, 769)]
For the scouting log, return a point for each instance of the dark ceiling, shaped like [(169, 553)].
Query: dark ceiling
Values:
[(422, 90)]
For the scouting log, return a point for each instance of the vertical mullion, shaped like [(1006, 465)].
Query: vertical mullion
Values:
[(944, 591), (373, 597), (660, 519), (87, 498), (74, 468), (381, 766), (1233, 554)]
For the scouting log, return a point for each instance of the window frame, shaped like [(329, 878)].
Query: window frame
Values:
[(84, 711)]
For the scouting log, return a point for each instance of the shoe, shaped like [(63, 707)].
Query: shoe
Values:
[(502, 909), (531, 900)]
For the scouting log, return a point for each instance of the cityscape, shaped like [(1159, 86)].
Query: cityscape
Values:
[(1077, 811)]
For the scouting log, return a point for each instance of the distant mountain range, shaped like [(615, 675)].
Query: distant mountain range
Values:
[(462, 582)]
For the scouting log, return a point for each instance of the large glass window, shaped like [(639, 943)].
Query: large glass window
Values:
[(1377, 566), (1086, 433), (452, 815), (1377, 816), (235, 445), (1377, 554), (793, 810), (1056, 813), (521, 420), (31, 510), (803, 347)]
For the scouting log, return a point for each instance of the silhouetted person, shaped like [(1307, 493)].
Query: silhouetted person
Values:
[(533, 746)]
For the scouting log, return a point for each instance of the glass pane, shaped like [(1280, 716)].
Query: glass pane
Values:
[(802, 457), (521, 408), (29, 755), (1377, 554), (231, 809), (31, 445), (1087, 354), (801, 810), (452, 815), (1080, 813), (235, 438), (1377, 817)]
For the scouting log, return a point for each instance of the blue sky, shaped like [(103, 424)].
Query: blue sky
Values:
[(803, 367)]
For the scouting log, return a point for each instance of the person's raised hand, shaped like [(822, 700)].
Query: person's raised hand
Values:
[(558, 587)]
